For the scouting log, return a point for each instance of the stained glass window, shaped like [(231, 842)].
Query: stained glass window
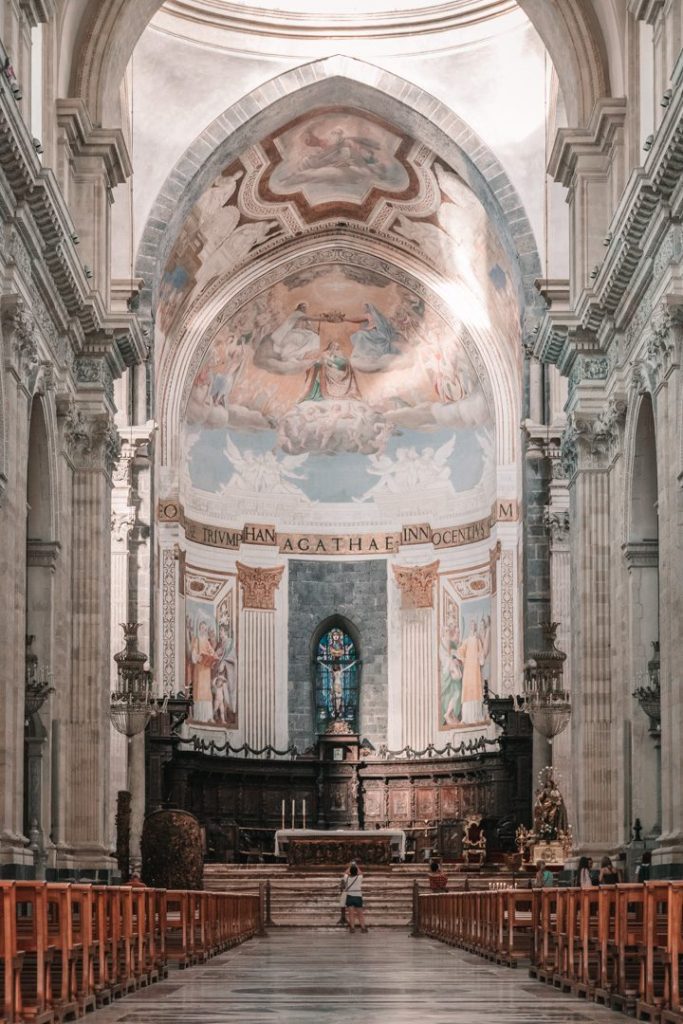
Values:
[(337, 674)]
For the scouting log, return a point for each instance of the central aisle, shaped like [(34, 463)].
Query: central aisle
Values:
[(306, 976)]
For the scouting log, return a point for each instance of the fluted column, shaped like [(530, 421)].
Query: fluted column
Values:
[(665, 354), (419, 712), (93, 445), (557, 522), (122, 523), (20, 359), (257, 654), (589, 445)]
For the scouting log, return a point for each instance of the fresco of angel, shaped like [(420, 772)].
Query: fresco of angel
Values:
[(263, 473), (410, 470)]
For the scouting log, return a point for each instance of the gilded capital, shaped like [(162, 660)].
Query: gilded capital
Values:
[(259, 585), (416, 583)]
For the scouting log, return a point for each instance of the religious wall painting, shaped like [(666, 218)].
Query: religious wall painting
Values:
[(336, 156), (337, 670), (211, 650), (465, 639), (338, 385), (328, 168)]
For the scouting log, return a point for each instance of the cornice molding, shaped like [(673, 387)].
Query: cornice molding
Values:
[(596, 139), (38, 12), (88, 140)]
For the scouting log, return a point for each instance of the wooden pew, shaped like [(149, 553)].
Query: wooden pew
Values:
[(34, 998), (10, 957), (630, 942), (655, 986), (607, 945), (84, 946), (62, 963), (672, 1013)]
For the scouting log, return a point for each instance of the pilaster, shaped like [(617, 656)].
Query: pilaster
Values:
[(257, 655), (419, 713)]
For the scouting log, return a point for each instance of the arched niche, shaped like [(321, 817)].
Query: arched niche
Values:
[(41, 546), (644, 518), (336, 668)]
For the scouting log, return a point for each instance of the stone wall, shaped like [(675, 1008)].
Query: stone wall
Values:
[(358, 592)]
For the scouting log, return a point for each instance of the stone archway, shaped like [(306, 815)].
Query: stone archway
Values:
[(110, 30)]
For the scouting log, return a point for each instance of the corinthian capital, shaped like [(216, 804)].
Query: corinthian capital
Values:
[(91, 440), (21, 348), (259, 585), (416, 583), (590, 442)]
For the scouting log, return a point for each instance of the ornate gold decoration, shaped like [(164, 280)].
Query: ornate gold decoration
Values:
[(259, 585), (416, 583)]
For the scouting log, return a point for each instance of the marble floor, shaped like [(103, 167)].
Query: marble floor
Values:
[(327, 976)]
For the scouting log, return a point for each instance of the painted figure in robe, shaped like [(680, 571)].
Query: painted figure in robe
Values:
[(472, 653), (204, 658), (377, 338), (292, 339), (330, 376)]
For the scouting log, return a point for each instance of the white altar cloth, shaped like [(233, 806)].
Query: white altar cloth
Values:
[(396, 835)]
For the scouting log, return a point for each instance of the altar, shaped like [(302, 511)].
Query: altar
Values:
[(337, 847)]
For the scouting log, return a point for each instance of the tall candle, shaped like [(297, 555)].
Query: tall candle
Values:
[(283, 814), (293, 813), (304, 814)]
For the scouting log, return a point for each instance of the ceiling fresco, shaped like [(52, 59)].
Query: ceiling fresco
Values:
[(338, 381)]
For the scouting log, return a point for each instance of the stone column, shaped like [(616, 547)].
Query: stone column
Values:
[(256, 653), (664, 353), (93, 446), (122, 524), (419, 711), (557, 522), (588, 447), (20, 358)]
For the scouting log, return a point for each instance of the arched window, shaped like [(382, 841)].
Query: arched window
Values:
[(337, 676)]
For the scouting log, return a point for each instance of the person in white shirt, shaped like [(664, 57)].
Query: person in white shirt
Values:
[(353, 887)]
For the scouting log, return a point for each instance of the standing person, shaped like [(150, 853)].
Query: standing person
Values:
[(353, 887), (438, 879), (584, 878), (608, 874), (543, 877)]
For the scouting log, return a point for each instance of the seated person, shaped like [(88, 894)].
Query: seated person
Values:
[(543, 877), (438, 879)]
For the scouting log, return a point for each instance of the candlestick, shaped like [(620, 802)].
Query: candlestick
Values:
[(304, 814), (283, 815), (293, 813)]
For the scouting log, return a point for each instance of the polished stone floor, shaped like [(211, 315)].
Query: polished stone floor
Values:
[(306, 976)]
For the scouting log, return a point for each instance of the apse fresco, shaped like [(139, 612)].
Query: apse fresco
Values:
[(336, 167), (337, 384)]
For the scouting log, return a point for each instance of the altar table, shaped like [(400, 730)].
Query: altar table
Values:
[(339, 846)]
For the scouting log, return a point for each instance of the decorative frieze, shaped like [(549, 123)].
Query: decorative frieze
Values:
[(259, 585), (38, 12), (416, 584), (662, 350)]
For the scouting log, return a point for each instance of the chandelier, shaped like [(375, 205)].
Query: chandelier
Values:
[(38, 683), (131, 704), (546, 701), (648, 693)]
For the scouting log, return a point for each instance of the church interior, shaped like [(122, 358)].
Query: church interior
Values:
[(341, 463)]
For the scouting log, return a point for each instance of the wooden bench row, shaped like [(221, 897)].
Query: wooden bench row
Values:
[(621, 945), (65, 949)]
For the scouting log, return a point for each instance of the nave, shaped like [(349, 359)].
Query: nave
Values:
[(325, 976)]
